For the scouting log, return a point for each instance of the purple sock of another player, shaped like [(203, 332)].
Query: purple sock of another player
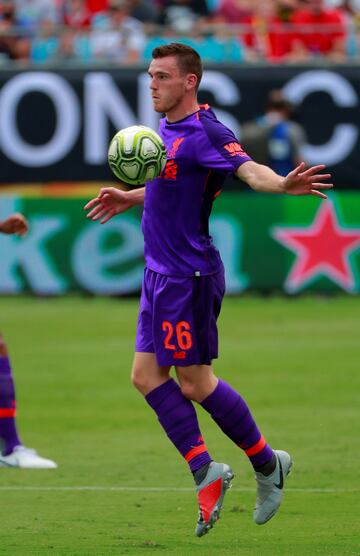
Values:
[(178, 418), (233, 416), (8, 434)]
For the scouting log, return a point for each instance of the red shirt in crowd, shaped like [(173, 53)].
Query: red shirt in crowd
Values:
[(309, 25), (95, 6), (270, 37)]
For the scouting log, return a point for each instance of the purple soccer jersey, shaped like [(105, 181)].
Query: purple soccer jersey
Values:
[(201, 152)]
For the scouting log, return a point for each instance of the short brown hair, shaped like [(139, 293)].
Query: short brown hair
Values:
[(188, 59)]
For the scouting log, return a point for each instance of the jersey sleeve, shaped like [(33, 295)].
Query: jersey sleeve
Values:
[(219, 149)]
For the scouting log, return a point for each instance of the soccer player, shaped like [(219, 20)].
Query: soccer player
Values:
[(12, 452), (183, 283)]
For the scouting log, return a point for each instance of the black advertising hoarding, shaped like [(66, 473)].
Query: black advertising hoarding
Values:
[(56, 125)]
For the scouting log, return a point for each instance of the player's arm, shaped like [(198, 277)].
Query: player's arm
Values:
[(300, 181), (14, 224), (112, 201)]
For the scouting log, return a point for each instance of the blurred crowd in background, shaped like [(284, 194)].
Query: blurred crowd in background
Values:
[(124, 32)]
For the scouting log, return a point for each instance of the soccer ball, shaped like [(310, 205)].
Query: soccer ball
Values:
[(136, 154)]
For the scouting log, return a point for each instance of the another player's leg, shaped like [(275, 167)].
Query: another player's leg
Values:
[(12, 451), (231, 413), (9, 437)]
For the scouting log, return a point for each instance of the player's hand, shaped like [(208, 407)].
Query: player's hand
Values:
[(15, 224), (307, 182), (108, 203)]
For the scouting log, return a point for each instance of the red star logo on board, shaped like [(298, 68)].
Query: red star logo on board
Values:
[(322, 249)]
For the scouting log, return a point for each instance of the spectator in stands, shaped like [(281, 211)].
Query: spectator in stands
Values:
[(76, 14), (30, 13), (190, 23), (14, 43), (265, 26), (116, 36), (183, 15), (69, 45), (234, 11), (44, 45), (143, 10), (351, 12), (274, 139), (272, 29), (96, 6), (236, 16), (319, 31), (74, 46), (7, 38)]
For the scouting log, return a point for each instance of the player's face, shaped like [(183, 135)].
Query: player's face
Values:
[(168, 84)]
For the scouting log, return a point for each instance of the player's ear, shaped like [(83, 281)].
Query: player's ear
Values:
[(191, 81)]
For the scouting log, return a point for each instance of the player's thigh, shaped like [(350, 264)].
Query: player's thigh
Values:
[(146, 374), (197, 382)]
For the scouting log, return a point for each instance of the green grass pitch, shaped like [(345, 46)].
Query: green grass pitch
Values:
[(121, 488)]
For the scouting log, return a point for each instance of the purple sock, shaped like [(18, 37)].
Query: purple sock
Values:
[(8, 433), (233, 416), (178, 418)]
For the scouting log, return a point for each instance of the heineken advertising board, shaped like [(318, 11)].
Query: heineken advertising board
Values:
[(267, 242)]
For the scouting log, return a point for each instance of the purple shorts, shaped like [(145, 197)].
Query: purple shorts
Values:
[(177, 318)]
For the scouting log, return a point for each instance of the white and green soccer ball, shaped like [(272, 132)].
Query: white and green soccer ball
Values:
[(136, 154)]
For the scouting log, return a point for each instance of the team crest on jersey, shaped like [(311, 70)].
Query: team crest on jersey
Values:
[(175, 147), (234, 149), (171, 168)]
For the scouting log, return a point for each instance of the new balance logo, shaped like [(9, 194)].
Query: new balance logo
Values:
[(179, 355), (234, 149)]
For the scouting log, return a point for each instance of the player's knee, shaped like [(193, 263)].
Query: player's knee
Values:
[(142, 380), (189, 390), (3, 347), (138, 378)]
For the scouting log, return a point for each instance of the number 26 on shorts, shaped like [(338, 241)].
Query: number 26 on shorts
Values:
[(180, 333)]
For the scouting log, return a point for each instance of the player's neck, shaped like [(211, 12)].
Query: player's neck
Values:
[(182, 111)]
